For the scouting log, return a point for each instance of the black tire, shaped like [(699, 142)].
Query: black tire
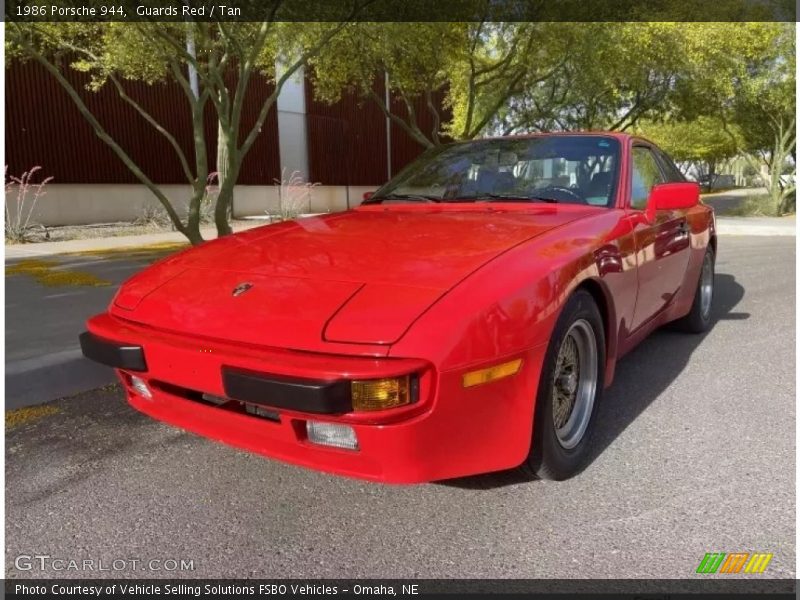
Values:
[(549, 458), (699, 318)]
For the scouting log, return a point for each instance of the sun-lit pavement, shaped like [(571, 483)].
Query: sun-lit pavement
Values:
[(694, 453)]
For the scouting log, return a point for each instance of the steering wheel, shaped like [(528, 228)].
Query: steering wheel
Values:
[(571, 194)]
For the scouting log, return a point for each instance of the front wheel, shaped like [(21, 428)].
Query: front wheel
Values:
[(570, 386)]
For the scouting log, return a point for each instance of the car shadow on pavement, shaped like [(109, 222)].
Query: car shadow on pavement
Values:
[(641, 376)]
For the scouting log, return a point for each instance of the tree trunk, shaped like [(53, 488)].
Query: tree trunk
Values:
[(223, 157), (786, 204), (227, 173), (193, 218), (221, 209), (712, 173)]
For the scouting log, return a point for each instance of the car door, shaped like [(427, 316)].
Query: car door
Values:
[(662, 245)]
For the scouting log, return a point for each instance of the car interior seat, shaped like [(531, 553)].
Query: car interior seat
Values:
[(599, 188)]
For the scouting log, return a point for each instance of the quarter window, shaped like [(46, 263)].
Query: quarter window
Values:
[(646, 174)]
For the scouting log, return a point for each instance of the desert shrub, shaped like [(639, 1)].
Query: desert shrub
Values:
[(23, 193)]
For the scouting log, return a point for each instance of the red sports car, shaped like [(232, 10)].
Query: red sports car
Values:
[(464, 319)]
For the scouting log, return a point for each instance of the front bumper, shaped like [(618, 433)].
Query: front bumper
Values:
[(450, 432), (112, 354)]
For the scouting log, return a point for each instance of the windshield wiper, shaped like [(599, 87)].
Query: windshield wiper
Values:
[(413, 197), (512, 198)]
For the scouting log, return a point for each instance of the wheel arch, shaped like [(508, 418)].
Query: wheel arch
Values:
[(605, 303)]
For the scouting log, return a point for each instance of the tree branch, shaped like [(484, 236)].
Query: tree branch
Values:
[(157, 126), (435, 115), (412, 130), (262, 115), (103, 135)]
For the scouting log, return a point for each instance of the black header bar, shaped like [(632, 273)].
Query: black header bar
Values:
[(400, 10)]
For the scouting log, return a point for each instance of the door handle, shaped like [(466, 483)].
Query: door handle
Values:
[(683, 229)]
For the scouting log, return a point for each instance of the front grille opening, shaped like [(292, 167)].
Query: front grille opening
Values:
[(253, 410)]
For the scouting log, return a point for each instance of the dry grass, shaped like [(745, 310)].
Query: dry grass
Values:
[(29, 267), (151, 251), (20, 416), (756, 205), (47, 273)]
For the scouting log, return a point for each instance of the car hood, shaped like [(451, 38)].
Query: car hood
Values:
[(362, 276)]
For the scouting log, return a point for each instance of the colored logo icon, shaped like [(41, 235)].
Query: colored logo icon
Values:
[(736, 562)]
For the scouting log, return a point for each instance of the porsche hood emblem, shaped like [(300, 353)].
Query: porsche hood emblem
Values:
[(241, 288)]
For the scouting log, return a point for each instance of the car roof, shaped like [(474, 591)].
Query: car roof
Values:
[(619, 135)]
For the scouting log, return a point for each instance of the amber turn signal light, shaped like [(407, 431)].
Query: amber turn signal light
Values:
[(491, 373), (380, 394)]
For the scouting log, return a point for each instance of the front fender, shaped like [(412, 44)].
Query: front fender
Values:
[(511, 304)]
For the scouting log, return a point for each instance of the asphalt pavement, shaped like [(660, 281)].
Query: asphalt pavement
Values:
[(43, 358), (694, 453)]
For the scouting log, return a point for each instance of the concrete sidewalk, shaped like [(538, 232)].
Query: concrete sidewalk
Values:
[(111, 243), (757, 226)]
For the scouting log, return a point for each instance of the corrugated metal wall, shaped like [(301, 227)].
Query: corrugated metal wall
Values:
[(43, 127), (346, 140)]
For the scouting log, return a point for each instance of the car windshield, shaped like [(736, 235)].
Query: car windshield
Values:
[(569, 169)]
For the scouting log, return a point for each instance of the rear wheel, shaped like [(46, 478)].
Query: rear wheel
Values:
[(699, 318), (570, 386)]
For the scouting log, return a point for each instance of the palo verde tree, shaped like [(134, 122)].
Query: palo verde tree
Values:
[(614, 75), (227, 58), (476, 66), (741, 78), (620, 73), (763, 108)]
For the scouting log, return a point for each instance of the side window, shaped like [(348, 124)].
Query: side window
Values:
[(646, 174), (674, 174)]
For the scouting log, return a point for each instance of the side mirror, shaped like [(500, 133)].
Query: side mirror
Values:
[(366, 196), (672, 196)]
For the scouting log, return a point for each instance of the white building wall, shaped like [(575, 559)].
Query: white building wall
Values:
[(292, 140), (82, 204)]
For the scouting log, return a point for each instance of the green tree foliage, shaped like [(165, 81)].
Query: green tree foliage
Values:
[(737, 97), (227, 57), (619, 73), (763, 107), (478, 66), (522, 77), (703, 142)]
